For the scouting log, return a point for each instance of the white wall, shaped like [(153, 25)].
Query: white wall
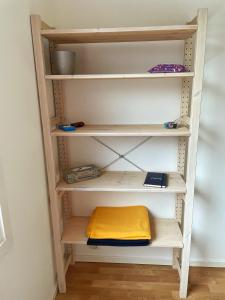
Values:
[(95, 102), (26, 267)]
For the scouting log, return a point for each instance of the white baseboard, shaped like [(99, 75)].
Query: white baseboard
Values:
[(209, 263), (145, 260), (55, 291)]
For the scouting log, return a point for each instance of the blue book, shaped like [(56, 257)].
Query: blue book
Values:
[(154, 179)]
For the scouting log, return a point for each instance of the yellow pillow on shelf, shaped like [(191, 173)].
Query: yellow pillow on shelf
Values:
[(125, 223)]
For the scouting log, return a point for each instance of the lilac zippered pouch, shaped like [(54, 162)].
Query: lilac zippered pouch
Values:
[(168, 68)]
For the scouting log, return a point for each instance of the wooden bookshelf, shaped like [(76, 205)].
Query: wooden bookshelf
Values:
[(165, 232)]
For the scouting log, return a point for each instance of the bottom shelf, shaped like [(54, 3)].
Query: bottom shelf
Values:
[(165, 232)]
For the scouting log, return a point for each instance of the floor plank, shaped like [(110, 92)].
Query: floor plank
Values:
[(102, 281)]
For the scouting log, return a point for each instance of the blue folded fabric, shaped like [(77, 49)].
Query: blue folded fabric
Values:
[(118, 243)]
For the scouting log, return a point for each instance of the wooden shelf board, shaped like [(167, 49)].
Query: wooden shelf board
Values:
[(119, 76), (123, 130), (165, 232), (124, 182), (122, 34)]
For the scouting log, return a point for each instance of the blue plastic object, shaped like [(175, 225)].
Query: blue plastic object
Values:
[(67, 127)]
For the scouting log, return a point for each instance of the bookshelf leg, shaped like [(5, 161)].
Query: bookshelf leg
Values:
[(187, 228), (185, 270)]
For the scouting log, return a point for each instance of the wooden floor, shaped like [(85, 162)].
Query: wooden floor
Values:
[(101, 281)]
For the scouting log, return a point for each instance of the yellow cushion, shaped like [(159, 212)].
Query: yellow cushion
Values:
[(127, 223)]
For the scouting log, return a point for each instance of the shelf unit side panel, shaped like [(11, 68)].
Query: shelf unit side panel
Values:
[(48, 147), (63, 153), (63, 149), (182, 142), (192, 146)]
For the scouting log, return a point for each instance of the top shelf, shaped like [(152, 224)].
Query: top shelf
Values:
[(124, 34)]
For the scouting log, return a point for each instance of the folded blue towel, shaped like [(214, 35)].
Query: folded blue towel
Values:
[(119, 243)]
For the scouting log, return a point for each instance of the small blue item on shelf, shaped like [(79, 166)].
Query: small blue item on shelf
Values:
[(170, 125), (67, 127)]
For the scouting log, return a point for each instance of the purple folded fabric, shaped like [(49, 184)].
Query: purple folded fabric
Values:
[(168, 68)]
